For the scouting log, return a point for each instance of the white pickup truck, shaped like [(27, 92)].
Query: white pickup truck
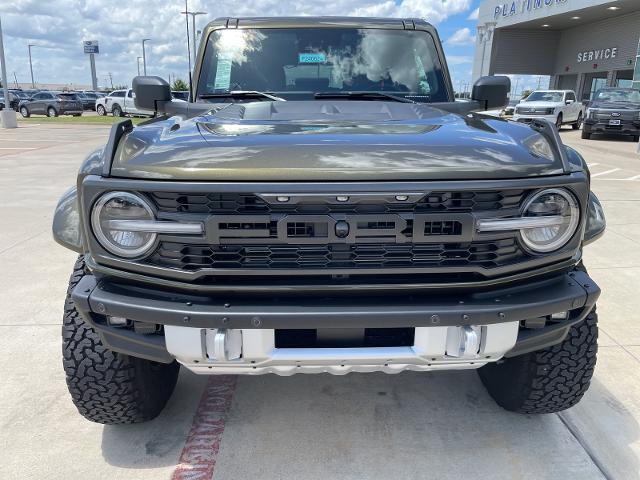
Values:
[(120, 103), (558, 106)]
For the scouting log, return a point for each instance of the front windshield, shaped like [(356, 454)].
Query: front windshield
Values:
[(632, 96), (545, 97), (296, 63)]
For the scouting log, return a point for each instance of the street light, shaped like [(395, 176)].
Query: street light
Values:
[(144, 56), (33, 83), (7, 115), (193, 30), (139, 58)]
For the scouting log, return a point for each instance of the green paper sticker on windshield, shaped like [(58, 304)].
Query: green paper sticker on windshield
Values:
[(312, 58), (223, 74)]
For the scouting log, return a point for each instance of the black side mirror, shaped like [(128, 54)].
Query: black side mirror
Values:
[(149, 91), (491, 92)]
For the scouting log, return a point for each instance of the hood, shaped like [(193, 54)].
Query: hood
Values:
[(614, 105), (332, 141), (539, 104)]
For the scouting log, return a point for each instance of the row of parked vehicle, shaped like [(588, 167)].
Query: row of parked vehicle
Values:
[(50, 103), (612, 110), (122, 102)]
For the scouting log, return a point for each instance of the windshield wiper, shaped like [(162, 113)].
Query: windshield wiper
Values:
[(360, 95), (242, 94)]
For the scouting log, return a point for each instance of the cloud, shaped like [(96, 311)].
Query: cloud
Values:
[(458, 59), (58, 28), (462, 37), (474, 14)]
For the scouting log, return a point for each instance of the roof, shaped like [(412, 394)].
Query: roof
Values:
[(325, 22)]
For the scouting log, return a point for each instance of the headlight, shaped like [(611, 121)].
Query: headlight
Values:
[(550, 111), (117, 206), (562, 215)]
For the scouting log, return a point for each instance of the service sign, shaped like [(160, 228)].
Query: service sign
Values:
[(91, 46)]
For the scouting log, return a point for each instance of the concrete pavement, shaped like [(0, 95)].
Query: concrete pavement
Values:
[(376, 426)]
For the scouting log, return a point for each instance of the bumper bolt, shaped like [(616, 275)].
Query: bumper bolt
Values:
[(256, 321), (465, 317), (101, 308), (225, 320), (435, 318), (502, 315), (186, 319)]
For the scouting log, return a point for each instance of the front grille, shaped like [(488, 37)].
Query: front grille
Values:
[(486, 254), (531, 111), (250, 204)]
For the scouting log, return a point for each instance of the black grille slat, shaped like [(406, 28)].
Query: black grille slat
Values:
[(487, 254)]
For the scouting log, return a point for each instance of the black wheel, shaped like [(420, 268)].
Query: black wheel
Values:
[(24, 111), (101, 110), (578, 124), (52, 112), (105, 386), (585, 135), (548, 380), (116, 111), (559, 122)]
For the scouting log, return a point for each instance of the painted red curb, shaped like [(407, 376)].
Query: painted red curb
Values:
[(198, 457)]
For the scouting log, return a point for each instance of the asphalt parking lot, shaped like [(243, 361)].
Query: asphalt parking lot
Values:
[(373, 426)]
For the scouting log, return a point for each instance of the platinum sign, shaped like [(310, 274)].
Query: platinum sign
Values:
[(515, 7)]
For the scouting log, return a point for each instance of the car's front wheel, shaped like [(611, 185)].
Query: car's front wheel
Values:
[(116, 111), (101, 110), (109, 387), (559, 121), (585, 134), (24, 111), (548, 380), (578, 124), (52, 112)]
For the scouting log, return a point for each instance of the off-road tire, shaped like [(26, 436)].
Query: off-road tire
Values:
[(636, 138), (548, 380), (585, 135), (109, 387)]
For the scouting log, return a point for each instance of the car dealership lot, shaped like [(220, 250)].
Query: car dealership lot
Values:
[(410, 425)]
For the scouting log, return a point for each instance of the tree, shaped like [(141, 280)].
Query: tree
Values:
[(179, 85), (525, 93)]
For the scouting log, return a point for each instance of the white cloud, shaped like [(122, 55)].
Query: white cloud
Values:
[(458, 59), (61, 25), (474, 15), (462, 37)]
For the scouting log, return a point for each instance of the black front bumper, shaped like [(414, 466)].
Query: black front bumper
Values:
[(626, 127), (95, 299)]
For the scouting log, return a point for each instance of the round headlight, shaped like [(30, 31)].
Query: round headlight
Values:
[(112, 234), (564, 215)]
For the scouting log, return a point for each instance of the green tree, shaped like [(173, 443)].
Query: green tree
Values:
[(525, 93), (179, 85)]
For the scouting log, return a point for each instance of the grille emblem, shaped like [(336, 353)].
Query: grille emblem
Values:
[(615, 114)]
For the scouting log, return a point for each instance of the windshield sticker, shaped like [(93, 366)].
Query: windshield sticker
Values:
[(312, 58), (223, 74)]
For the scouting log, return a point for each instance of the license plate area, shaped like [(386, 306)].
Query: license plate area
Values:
[(614, 122)]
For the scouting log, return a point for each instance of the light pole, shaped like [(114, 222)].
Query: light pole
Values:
[(193, 30), (139, 58), (7, 115), (33, 84), (144, 56)]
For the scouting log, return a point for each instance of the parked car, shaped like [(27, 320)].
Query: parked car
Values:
[(119, 103), (509, 110), (615, 111), (14, 100), (373, 224), (51, 104), (88, 102), (557, 106), (180, 95)]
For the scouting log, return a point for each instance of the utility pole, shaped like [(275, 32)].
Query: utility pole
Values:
[(139, 58), (33, 83), (111, 80), (193, 30), (7, 115), (144, 56)]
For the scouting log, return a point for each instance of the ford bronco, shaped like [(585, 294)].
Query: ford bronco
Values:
[(323, 204)]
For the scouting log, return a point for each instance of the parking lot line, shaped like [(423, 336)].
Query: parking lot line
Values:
[(200, 451), (605, 172)]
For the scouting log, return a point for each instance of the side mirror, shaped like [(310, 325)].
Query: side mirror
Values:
[(491, 92), (149, 91)]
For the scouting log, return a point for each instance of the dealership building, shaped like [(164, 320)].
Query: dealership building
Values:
[(583, 45)]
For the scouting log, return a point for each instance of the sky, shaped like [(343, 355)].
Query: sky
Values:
[(58, 27)]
